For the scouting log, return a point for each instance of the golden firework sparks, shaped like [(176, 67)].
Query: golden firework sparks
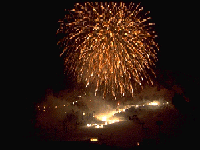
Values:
[(109, 45)]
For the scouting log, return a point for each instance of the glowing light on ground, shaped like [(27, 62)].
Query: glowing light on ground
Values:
[(94, 139), (154, 103), (88, 125), (104, 118), (99, 126)]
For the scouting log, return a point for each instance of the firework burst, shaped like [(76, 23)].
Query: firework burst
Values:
[(109, 45)]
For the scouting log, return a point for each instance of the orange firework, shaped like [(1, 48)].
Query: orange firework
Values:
[(109, 45)]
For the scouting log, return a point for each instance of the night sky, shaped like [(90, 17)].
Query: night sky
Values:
[(176, 25)]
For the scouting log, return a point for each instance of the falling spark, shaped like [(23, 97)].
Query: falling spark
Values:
[(109, 45)]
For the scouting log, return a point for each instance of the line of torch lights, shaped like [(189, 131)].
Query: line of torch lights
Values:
[(107, 119)]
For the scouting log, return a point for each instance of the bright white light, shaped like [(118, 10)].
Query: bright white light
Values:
[(94, 139), (83, 113), (99, 126), (153, 103), (88, 125), (73, 103), (104, 118)]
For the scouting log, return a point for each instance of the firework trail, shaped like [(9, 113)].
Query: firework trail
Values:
[(109, 45)]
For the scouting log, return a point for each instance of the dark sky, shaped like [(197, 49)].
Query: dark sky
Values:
[(176, 26)]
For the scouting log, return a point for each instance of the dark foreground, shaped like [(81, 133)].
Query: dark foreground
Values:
[(157, 129)]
